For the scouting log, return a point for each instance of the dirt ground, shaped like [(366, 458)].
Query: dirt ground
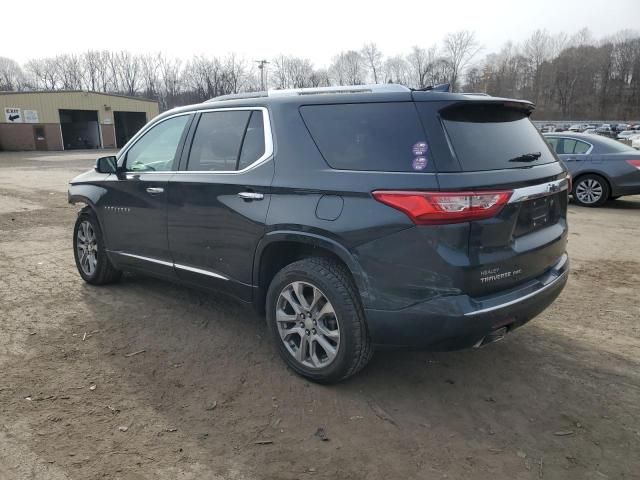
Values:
[(208, 397)]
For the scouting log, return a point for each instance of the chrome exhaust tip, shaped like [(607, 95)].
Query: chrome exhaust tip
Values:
[(492, 337)]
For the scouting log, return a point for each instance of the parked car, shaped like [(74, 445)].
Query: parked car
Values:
[(550, 128), (578, 127), (625, 134), (635, 142), (605, 130), (601, 168), (352, 216), (621, 127), (590, 131)]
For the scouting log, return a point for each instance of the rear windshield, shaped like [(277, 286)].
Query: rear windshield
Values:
[(494, 136), (369, 136)]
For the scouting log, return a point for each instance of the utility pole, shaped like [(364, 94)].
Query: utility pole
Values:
[(262, 66)]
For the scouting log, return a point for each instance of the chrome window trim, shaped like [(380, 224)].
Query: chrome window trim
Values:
[(268, 141), (564, 137), (171, 264), (537, 191)]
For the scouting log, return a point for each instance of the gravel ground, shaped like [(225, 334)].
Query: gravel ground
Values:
[(208, 397)]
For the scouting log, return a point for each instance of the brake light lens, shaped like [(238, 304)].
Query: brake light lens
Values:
[(634, 163), (438, 208)]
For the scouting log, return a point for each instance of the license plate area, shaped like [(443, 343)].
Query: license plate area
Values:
[(538, 213)]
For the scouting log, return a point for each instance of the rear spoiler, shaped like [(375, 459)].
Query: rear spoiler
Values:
[(480, 103)]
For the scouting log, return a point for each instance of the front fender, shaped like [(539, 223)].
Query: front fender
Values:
[(314, 240)]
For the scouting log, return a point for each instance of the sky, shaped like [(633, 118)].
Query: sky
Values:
[(257, 29)]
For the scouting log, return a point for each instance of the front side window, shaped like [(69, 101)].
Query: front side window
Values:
[(156, 150)]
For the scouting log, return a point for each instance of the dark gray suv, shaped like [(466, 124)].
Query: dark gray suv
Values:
[(353, 217)]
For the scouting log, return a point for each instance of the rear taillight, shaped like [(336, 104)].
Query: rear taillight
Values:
[(634, 163), (437, 208)]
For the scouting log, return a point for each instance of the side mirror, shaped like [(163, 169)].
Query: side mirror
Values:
[(107, 164)]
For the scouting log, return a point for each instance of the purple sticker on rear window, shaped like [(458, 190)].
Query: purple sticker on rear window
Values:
[(419, 148), (419, 163)]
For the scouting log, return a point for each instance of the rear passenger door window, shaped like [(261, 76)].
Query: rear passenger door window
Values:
[(227, 141), (217, 141)]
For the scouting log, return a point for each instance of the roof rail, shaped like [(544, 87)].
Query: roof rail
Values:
[(372, 88), (441, 87), (237, 96)]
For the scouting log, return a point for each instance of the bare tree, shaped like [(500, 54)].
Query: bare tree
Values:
[(397, 70), (150, 72), (422, 64), (373, 57), (348, 68), (127, 68), (171, 86), (44, 74), (536, 50), (70, 71), (459, 48), (11, 75), (292, 72)]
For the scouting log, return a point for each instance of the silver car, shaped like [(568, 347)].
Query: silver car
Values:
[(601, 168)]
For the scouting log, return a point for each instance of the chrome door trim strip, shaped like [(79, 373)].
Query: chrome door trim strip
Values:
[(520, 299), (200, 271), (147, 259), (172, 264), (536, 191)]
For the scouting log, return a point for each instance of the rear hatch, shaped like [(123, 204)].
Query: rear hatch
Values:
[(489, 145)]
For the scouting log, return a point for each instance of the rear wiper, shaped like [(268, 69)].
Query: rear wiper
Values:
[(527, 157)]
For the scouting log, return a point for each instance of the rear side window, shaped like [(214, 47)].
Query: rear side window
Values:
[(217, 141), (494, 136), (369, 136)]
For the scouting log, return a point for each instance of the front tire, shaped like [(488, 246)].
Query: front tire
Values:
[(317, 321), (89, 251), (591, 191)]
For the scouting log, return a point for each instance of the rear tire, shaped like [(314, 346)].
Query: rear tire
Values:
[(591, 190), (318, 293), (89, 251)]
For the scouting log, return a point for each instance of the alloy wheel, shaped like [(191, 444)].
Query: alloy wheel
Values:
[(308, 325), (589, 191), (87, 248)]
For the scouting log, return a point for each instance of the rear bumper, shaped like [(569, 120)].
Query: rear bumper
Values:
[(460, 321)]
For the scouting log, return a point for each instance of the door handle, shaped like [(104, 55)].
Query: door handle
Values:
[(251, 195), (155, 190)]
